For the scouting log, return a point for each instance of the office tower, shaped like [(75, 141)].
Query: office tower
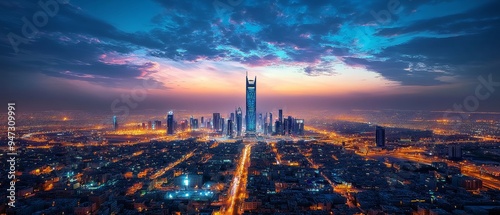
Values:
[(232, 117), (222, 125), (259, 123), (216, 122), (266, 125), (270, 123), (239, 121), (299, 125), (276, 126), (230, 128), (280, 119), (289, 127), (202, 122), (251, 105), (183, 125), (115, 123), (170, 123), (285, 126), (191, 122), (455, 152), (156, 125), (143, 125), (380, 136), (195, 124)]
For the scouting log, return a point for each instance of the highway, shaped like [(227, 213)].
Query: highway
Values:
[(237, 192)]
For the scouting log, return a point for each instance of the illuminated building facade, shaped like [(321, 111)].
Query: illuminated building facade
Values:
[(239, 121), (170, 123), (251, 105), (115, 123)]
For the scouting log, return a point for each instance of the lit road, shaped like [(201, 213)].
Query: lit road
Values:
[(172, 165), (237, 192), (467, 169)]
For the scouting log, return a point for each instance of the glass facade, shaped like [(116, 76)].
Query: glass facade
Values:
[(251, 104)]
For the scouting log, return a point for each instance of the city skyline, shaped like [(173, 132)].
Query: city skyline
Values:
[(351, 55)]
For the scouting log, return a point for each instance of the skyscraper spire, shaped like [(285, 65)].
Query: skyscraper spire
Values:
[(251, 112)]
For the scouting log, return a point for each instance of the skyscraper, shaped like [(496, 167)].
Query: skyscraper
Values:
[(170, 123), (270, 129), (115, 123), (239, 121), (230, 128), (380, 136), (279, 127), (216, 122), (251, 105)]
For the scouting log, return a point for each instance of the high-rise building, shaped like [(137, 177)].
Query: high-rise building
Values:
[(259, 123), (170, 123), (239, 121), (230, 128), (270, 129), (455, 152), (222, 126), (202, 121), (290, 125), (286, 125), (279, 129), (195, 124), (380, 136), (251, 105), (156, 124), (183, 125), (299, 126), (115, 123), (216, 122)]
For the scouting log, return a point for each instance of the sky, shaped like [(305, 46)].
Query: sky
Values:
[(176, 54)]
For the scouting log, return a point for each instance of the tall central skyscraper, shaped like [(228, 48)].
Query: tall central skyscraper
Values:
[(251, 88)]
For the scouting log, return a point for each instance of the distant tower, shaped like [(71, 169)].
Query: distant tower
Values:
[(115, 123), (230, 128), (170, 123), (239, 121), (380, 136), (455, 152), (279, 129), (270, 129), (191, 122), (251, 104), (216, 122)]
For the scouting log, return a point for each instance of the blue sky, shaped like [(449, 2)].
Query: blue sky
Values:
[(351, 54)]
